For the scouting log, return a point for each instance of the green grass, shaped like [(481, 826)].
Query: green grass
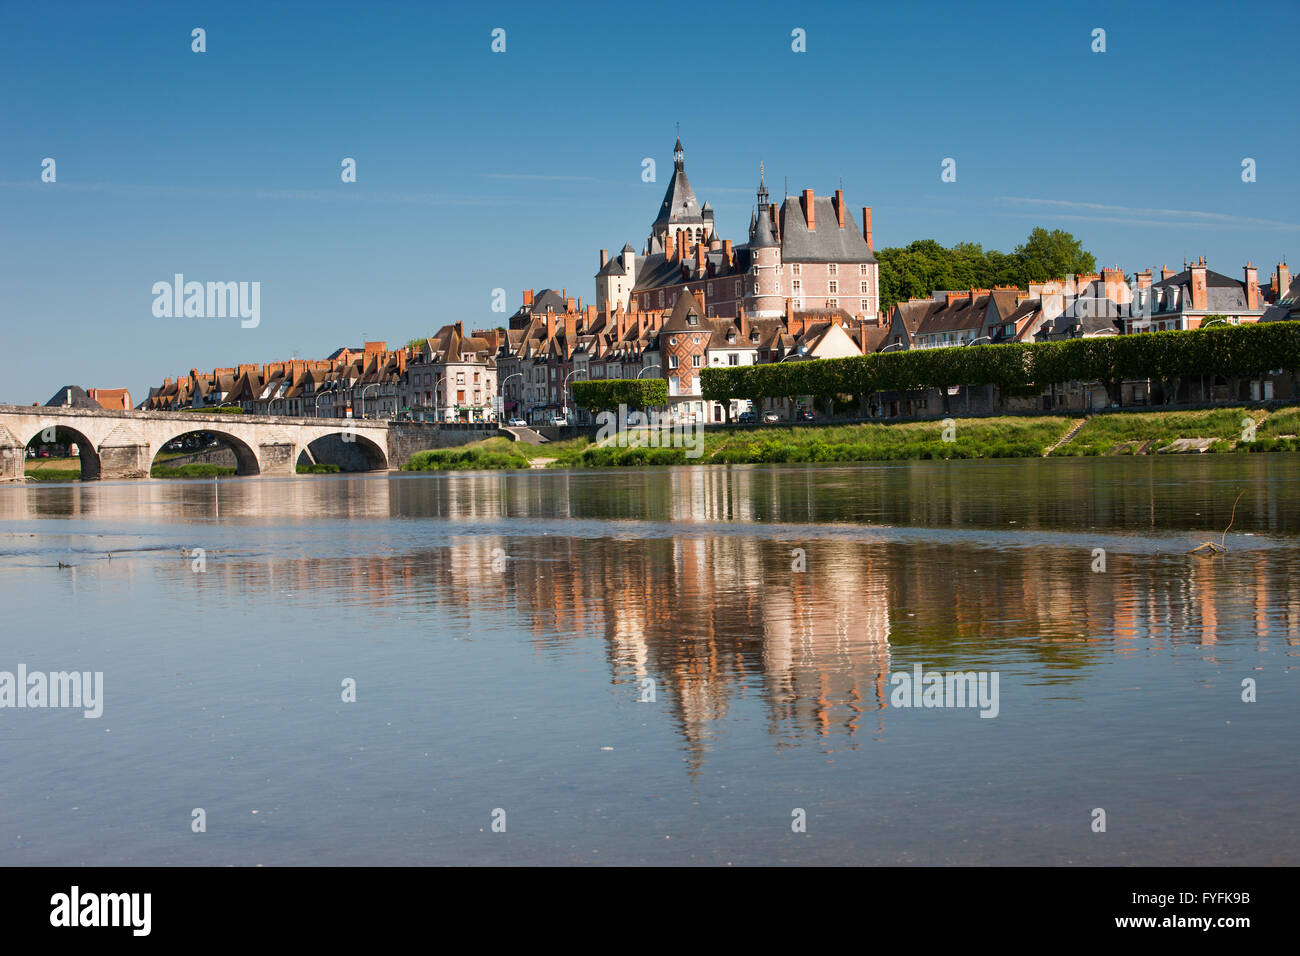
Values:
[(190, 471), (1003, 437), (491, 453), (1104, 432)]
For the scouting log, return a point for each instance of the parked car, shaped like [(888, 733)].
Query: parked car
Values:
[(558, 421), (517, 423), (771, 418), (747, 418), (806, 415)]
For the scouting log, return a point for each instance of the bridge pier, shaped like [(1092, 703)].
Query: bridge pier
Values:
[(123, 461), (13, 457), (277, 458)]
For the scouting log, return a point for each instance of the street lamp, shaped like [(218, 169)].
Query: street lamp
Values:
[(973, 341), (362, 403), (646, 369), (501, 386), (895, 345), (564, 390)]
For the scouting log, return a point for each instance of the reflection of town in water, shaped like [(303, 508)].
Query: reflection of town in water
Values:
[(791, 591)]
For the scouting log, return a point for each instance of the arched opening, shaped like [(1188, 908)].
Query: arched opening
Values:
[(61, 454), (347, 450), (203, 453)]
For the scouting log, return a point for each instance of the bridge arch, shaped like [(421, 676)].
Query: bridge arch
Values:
[(246, 460), (351, 451), (59, 434)]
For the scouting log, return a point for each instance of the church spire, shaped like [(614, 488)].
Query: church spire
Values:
[(679, 156)]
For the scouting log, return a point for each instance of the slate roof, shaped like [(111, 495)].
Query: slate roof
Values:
[(1222, 293), (71, 396), (828, 242)]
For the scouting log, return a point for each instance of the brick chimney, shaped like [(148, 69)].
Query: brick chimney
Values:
[(604, 257), (699, 301), (809, 210), (568, 304), (669, 246), (839, 207), (1283, 278), (866, 227), (1166, 273), (1200, 300), (550, 323), (726, 250), (1144, 279), (1252, 287), (528, 297), (699, 256), (570, 329)]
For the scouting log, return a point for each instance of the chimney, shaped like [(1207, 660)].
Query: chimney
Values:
[(568, 304), (570, 331), (726, 250), (699, 301), (604, 257), (866, 227), (528, 297), (1199, 298), (839, 207), (699, 257), (550, 323), (1283, 278), (591, 316), (1252, 287), (1166, 273), (1144, 279), (669, 246), (809, 212)]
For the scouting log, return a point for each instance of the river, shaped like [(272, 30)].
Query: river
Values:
[(673, 666)]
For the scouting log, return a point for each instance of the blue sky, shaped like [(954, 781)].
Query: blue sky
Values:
[(478, 170)]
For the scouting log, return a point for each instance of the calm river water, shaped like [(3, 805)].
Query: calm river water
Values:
[(506, 633)]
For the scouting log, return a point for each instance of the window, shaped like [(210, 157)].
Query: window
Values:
[(832, 269), (798, 303), (695, 361), (862, 269), (672, 340), (709, 289), (832, 303), (795, 268), (756, 287), (864, 287), (833, 287), (460, 378), (796, 287), (737, 287), (661, 299), (692, 319), (695, 340), (733, 359), (672, 361)]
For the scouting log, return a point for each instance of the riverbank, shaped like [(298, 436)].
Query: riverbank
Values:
[(1221, 430)]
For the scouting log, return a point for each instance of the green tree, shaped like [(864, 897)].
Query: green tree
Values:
[(1051, 255)]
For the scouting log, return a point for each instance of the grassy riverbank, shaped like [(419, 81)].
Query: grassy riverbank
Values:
[(1115, 433)]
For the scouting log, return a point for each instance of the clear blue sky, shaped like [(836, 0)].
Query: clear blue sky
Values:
[(479, 170)]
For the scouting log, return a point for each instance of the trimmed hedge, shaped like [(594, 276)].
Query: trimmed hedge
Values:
[(1237, 351), (608, 394)]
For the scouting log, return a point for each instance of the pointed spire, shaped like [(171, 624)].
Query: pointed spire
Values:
[(679, 156)]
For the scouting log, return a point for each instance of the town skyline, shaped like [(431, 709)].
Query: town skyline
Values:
[(433, 225)]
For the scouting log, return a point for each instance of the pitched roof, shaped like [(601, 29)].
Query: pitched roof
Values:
[(828, 242)]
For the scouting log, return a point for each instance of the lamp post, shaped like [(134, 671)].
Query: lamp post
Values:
[(564, 390), (362, 409), (501, 386), (973, 341), (646, 369), (895, 345)]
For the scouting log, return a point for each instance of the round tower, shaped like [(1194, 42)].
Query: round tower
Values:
[(765, 297)]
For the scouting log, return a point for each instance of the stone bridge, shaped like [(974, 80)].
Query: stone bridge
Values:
[(118, 444)]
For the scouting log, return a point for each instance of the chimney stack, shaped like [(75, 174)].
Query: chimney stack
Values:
[(528, 297), (1200, 300), (839, 207), (726, 250), (550, 323), (866, 227), (604, 257), (1144, 279), (669, 246), (1166, 273), (809, 212), (1252, 287)]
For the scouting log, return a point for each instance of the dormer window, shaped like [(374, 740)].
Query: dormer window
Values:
[(692, 319)]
